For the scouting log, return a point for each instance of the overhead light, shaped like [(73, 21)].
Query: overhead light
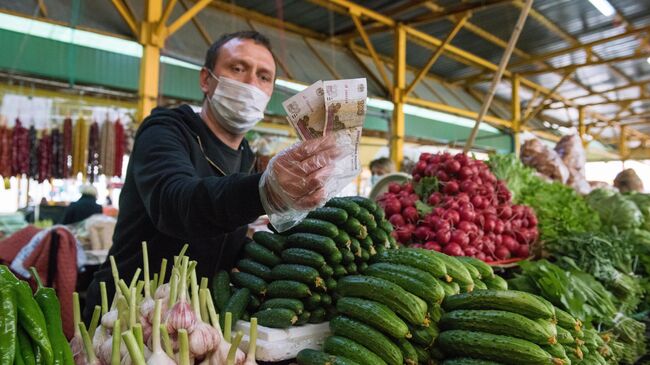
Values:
[(604, 7)]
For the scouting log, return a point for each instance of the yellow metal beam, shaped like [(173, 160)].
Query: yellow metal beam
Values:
[(150, 62), (169, 8), (622, 143), (183, 19), (371, 49), (456, 111), (126, 14), (610, 61), (437, 53), (42, 8), (399, 75), (197, 24), (582, 129), (515, 102), (619, 101)]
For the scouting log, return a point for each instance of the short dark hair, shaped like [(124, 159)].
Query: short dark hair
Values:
[(213, 52), (382, 163)]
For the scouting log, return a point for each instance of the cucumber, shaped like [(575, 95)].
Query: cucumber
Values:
[(321, 244), (348, 256), (498, 323), (221, 289), (330, 284), (455, 268), (449, 288), (423, 354), (479, 285), (397, 275), (528, 305), (366, 218), (236, 305), (303, 318), (361, 267), (367, 336), (255, 268), (329, 214), (316, 226), (379, 214), (566, 321), (349, 206), (564, 336), (385, 292), (548, 325), (313, 301), (287, 303), (368, 311), (351, 268), (256, 285), (301, 273), (435, 313), (393, 242), (468, 361), (386, 227), (365, 255), (505, 349), (253, 304), (303, 256), (367, 243), (483, 268), (473, 271), (287, 289), (317, 315), (355, 228), (261, 254), (408, 352), (496, 283), (273, 242), (363, 202), (424, 336), (415, 258), (355, 247), (379, 237), (314, 357), (325, 300), (326, 271), (556, 350), (341, 346), (335, 258), (342, 240), (276, 318), (339, 271)]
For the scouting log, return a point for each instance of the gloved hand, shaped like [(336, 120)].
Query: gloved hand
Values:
[(303, 177)]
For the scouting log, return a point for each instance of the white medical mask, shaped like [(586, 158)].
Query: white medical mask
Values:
[(237, 106), (374, 179)]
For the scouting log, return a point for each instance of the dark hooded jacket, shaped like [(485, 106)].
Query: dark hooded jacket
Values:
[(177, 190)]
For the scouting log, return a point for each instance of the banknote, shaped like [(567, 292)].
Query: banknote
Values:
[(345, 103), (306, 111)]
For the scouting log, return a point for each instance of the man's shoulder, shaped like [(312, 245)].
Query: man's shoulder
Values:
[(169, 119)]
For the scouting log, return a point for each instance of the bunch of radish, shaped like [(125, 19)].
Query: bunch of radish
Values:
[(457, 206), (152, 321)]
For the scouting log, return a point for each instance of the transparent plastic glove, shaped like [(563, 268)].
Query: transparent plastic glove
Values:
[(306, 175)]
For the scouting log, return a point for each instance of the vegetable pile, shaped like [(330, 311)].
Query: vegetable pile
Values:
[(31, 324), (289, 279), (457, 206), (158, 322)]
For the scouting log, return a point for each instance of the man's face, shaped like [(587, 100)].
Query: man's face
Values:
[(379, 171), (242, 60)]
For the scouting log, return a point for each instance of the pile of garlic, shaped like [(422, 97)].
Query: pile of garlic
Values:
[(157, 322)]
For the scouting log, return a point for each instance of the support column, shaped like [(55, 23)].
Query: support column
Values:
[(622, 144), (399, 84), (582, 129), (152, 41), (516, 113)]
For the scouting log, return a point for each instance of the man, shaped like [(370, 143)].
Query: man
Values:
[(191, 176), (82, 208), (379, 167)]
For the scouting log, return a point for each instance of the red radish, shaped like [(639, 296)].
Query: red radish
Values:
[(423, 233), (463, 198), (505, 212), (451, 187), (502, 253), (397, 220), (403, 235), (522, 251), (470, 251), (443, 237), (392, 206), (453, 216), (489, 224), (442, 225), (417, 177), (442, 176), (465, 173), (467, 215), (394, 188), (481, 256), (405, 202), (464, 226), (460, 238), (499, 227), (509, 242), (420, 166), (430, 170), (408, 187), (431, 245), (417, 245), (424, 156), (453, 249), (452, 166), (434, 199), (410, 214), (468, 186)]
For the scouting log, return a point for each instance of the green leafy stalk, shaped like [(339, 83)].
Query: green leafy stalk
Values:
[(94, 320), (163, 272), (184, 345), (233, 348), (88, 344), (203, 299), (167, 343), (104, 296), (252, 336), (137, 357), (135, 278), (116, 343), (139, 336), (145, 262), (227, 328)]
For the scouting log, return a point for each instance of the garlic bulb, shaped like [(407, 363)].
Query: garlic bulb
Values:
[(108, 319), (203, 339), (162, 292), (158, 356)]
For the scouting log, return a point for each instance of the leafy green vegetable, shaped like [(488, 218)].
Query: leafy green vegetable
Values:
[(615, 210), (426, 186), (642, 202)]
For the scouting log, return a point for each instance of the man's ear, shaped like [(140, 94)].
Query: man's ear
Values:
[(204, 80)]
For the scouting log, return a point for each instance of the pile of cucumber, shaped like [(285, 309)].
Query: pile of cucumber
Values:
[(580, 346), (499, 327), (290, 279)]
